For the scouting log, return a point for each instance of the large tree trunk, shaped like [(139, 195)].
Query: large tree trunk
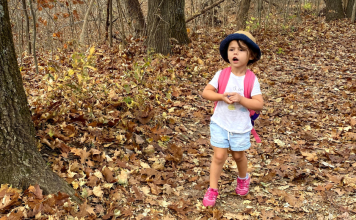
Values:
[(158, 27), (242, 14), (121, 17), (136, 17), (28, 38), (334, 10), (177, 27), (350, 5), (21, 163)]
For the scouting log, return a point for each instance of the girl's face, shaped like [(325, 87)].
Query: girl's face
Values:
[(238, 54)]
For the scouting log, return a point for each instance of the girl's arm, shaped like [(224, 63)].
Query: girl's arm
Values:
[(210, 93), (256, 103)]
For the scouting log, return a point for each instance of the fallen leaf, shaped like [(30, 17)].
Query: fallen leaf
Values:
[(98, 192)]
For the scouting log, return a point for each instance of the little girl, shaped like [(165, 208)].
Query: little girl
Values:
[(230, 125)]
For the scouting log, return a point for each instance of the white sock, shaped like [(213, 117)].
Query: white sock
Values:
[(245, 178)]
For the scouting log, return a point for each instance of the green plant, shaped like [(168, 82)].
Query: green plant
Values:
[(280, 51), (252, 24), (307, 6)]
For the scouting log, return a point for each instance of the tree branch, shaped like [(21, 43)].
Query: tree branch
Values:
[(203, 11)]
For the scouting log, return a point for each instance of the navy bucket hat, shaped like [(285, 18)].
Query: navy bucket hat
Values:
[(245, 37)]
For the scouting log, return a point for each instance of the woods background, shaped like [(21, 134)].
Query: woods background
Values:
[(115, 119)]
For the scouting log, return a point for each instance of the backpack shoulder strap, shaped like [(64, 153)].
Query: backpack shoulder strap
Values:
[(222, 81), (248, 83), (248, 86)]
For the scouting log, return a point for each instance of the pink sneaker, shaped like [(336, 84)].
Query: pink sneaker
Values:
[(210, 197), (243, 186)]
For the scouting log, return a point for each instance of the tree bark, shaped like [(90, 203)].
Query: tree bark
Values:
[(84, 28), (158, 27), (334, 10), (177, 27), (353, 13), (242, 14), (350, 5), (110, 26), (21, 164), (28, 38), (107, 20), (121, 17), (34, 35), (136, 17)]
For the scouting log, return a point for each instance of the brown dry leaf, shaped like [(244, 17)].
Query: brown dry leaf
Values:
[(217, 214), (167, 189), (269, 176), (139, 139), (38, 192), (310, 156), (108, 175), (92, 181), (82, 153), (353, 121), (90, 210), (155, 190), (335, 179), (98, 192), (350, 136), (267, 215), (350, 181), (319, 188), (138, 194)]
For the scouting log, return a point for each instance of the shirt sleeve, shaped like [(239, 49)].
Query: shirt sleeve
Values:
[(256, 90), (215, 81)]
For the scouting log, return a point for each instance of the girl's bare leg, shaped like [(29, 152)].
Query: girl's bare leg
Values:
[(219, 158), (241, 161)]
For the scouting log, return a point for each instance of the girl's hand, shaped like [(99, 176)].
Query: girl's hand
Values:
[(233, 96), (226, 99)]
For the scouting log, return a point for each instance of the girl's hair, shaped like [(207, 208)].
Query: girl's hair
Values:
[(250, 52)]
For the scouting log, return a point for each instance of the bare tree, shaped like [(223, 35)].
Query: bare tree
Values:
[(110, 26), (136, 17), (353, 13), (107, 19), (34, 35), (84, 29), (349, 8), (28, 38), (121, 17), (242, 14), (334, 10), (21, 164)]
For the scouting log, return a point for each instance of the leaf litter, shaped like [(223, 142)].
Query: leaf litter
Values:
[(130, 132)]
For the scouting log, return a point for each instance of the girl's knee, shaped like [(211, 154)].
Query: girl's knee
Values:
[(238, 156), (219, 158)]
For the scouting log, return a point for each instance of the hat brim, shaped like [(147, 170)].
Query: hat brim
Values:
[(252, 45)]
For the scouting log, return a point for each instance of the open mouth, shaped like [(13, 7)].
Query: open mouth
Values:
[(235, 59)]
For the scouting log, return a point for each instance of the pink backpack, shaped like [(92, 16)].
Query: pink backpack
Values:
[(248, 85)]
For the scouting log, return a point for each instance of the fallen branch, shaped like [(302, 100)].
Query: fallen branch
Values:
[(203, 11)]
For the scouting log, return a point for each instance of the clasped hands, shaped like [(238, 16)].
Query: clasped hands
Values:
[(231, 97)]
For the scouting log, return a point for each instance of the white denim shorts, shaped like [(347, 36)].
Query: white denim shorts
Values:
[(221, 138)]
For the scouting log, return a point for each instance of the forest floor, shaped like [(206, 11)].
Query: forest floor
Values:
[(130, 132)]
